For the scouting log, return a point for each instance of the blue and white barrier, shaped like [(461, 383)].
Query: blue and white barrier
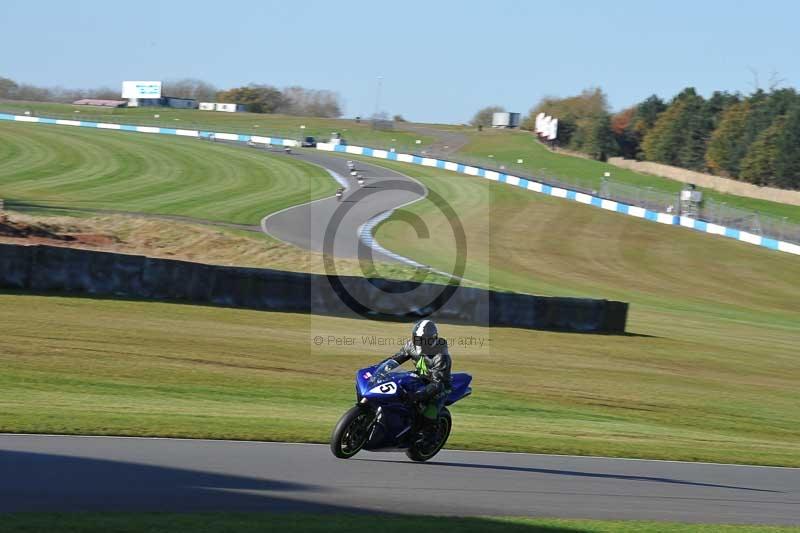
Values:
[(609, 205), (525, 183), (211, 135)]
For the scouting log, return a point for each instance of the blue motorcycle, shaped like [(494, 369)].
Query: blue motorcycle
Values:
[(384, 420)]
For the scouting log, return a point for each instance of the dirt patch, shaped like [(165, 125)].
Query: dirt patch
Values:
[(94, 239), (172, 239), (38, 232), (24, 230)]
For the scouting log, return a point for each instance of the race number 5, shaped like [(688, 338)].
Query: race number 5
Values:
[(385, 388)]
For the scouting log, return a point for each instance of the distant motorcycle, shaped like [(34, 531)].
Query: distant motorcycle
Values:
[(383, 419)]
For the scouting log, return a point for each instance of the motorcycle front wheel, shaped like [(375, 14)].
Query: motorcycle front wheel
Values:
[(351, 432)]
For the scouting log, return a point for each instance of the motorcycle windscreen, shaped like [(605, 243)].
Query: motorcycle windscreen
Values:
[(364, 378)]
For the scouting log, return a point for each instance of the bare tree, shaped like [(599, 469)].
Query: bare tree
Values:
[(189, 88), (8, 87), (484, 116), (311, 102), (755, 83), (775, 80)]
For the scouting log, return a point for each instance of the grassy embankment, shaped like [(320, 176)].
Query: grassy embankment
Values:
[(709, 374), (254, 123), (69, 167), (507, 147), (66, 180)]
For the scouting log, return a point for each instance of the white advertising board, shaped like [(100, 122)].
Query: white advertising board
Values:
[(553, 129), (539, 122)]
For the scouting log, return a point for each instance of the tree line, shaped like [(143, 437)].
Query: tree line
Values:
[(753, 138), (257, 98)]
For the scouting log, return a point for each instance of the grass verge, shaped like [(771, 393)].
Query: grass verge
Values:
[(101, 366), (332, 523)]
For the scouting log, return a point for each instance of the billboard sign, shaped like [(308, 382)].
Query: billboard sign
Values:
[(552, 134), (539, 123), (501, 119), (141, 89), (545, 125)]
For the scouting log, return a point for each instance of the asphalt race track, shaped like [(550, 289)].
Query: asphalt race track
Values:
[(53, 473), (309, 225)]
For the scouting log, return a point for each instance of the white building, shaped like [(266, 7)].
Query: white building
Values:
[(505, 120), (227, 108)]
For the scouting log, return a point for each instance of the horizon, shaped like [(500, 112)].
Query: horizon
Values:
[(746, 44)]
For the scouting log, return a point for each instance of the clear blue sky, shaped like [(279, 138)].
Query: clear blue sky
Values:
[(440, 60)]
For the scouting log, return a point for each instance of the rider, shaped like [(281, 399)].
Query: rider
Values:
[(432, 361)]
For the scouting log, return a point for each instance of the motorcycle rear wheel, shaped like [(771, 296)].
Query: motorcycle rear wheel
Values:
[(444, 426), (351, 432)]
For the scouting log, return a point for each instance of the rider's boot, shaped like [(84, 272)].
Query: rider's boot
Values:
[(426, 430)]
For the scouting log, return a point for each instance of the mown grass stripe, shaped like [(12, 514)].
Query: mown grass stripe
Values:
[(108, 169)]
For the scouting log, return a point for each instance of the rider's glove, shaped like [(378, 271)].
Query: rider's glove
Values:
[(415, 396)]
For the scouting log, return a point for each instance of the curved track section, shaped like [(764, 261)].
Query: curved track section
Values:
[(51, 473), (309, 225)]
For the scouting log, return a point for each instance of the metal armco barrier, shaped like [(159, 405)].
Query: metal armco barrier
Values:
[(54, 269)]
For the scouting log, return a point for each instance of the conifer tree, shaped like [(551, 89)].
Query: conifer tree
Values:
[(759, 165), (787, 164)]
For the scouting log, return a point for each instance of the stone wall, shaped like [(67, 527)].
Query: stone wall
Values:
[(68, 270)]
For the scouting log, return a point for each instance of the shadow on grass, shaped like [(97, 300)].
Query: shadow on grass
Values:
[(51, 492), (411, 317), (261, 522), (631, 334)]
